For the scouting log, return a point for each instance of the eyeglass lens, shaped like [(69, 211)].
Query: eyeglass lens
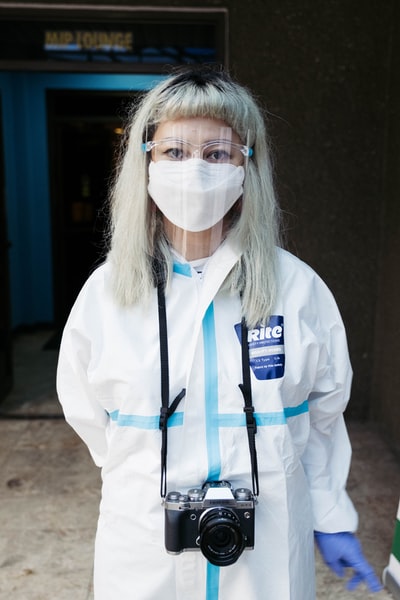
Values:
[(217, 151)]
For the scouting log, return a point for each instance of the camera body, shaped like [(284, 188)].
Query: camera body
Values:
[(215, 519)]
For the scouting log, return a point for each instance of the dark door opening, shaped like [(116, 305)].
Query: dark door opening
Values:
[(84, 134)]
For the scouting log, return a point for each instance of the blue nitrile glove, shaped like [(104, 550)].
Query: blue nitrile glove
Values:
[(340, 550)]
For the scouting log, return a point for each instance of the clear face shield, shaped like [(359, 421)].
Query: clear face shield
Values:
[(196, 174)]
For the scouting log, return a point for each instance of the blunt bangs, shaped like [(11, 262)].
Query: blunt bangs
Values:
[(217, 100)]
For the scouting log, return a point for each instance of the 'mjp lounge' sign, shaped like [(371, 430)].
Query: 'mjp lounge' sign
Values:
[(88, 41), (139, 42)]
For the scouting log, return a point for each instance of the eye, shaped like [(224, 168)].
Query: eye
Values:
[(218, 155), (171, 149), (173, 153), (218, 152)]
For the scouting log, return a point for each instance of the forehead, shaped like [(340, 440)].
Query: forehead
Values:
[(195, 130)]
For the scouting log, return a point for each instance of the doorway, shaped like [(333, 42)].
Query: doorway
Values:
[(85, 128), (57, 136), (52, 124)]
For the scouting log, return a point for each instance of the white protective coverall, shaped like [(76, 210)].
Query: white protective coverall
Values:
[(109, 386)]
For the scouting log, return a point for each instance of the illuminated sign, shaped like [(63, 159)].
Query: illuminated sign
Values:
[(91, 41), (133, 41)]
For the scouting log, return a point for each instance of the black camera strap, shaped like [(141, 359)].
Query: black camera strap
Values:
[(248, 408), (167, 410)]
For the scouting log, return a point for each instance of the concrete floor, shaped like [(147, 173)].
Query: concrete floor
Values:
[(49, 492)]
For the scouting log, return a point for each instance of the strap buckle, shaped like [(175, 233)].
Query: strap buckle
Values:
[(164, 414), (250, 420)]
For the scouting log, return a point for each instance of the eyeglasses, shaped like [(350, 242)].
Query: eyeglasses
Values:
[(215, 151)]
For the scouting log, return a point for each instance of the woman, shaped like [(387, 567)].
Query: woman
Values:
[(195, 227)]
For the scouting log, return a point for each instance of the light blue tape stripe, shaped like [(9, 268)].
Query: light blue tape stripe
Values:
[(212, 582), (221, 420), (294, 411), (182, 269), (141, 422), (212, 432), (211, 393), (262, 419)]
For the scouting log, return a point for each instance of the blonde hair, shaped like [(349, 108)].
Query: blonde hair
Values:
[(136, 232)]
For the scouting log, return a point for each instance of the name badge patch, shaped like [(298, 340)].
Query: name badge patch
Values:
[(266, 348)]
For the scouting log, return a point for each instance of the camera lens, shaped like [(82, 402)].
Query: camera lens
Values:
[(221, 540)]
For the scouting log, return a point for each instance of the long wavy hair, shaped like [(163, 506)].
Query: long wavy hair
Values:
[(136, 229)]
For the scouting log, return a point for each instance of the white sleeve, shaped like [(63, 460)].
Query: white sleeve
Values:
[(327, 456), (81, 409)]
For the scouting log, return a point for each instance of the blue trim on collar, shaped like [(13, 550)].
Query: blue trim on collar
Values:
[(182, 269)]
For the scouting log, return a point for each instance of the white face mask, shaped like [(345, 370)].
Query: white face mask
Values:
[(194, 194)]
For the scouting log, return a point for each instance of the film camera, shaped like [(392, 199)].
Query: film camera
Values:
[(215, 519)]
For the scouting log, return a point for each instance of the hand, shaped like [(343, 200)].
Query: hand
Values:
[(340, 550)]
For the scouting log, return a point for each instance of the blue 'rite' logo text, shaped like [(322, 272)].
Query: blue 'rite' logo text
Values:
[(266, 348)]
